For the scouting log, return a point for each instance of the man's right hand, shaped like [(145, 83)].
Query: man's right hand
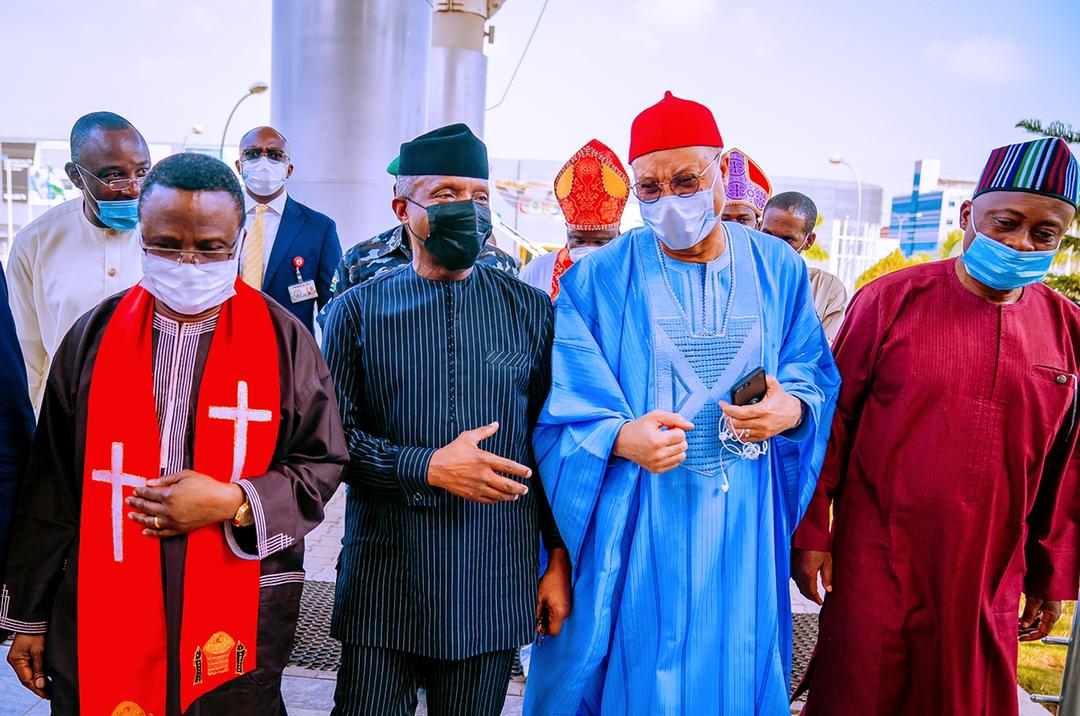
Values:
[(645, 441), (805, 566), (27, 659), (463, 469)]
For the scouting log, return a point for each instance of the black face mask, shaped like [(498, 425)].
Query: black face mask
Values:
[(457, 231)]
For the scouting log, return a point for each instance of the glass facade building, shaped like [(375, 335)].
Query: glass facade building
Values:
[(923, 219)]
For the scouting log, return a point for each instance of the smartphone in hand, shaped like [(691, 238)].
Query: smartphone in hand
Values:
[(749, 389)]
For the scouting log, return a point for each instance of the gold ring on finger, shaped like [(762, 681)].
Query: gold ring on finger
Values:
[(157, 522)]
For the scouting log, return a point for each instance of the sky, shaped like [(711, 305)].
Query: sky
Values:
[(790, 82)]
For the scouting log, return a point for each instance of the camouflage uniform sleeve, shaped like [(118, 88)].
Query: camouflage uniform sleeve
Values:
[(495, 257)]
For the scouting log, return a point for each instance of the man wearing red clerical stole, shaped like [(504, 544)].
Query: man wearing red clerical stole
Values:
[(189, 438)]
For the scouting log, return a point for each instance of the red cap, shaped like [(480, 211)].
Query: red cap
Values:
[(672, 123)]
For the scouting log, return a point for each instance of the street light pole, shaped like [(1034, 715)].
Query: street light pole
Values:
[(256, 88), (900, 228), (195, 129), (838, 159), (10, 198)]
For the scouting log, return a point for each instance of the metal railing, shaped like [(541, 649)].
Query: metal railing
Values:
[(1068, 702)]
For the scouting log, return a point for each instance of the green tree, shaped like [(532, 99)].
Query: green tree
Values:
[(952, 240), (1054, 129), (816, 253), (893, 262), (1066, 279)]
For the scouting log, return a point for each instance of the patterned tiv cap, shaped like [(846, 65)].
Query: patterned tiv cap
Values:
[(1043, 166)]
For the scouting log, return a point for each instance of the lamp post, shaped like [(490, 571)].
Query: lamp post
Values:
[(839, 159), (900, 228), (195, 129), (255, 88)]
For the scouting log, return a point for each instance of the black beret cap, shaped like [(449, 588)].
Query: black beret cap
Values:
[(447, 151)]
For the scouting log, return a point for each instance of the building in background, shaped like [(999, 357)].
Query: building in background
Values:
[(922, 220), (837, 201)]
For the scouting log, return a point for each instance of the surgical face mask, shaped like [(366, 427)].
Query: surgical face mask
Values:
[(263, 176), (457, 231), (682, 222), (1002, 267), (579, 252), (187, 288), (120, 214)]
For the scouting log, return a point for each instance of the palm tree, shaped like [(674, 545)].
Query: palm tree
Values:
[(1054, 129), (1066, 278)]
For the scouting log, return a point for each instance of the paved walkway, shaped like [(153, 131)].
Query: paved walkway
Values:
[(322, 546)]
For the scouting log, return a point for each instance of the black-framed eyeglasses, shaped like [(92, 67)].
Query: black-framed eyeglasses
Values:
[(197, 258), (649, 191), (113, 184), (252, 153)]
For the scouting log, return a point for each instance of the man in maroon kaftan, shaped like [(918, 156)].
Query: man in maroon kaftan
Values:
[(953, 468)]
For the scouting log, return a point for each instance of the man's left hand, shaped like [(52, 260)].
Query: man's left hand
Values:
[(779, 411), (183, 502), (1042, 614), (555, 594)]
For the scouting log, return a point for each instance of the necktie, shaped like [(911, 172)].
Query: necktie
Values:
[(254, 249)]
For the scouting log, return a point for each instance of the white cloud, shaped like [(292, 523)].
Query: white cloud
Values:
[(993, 60)]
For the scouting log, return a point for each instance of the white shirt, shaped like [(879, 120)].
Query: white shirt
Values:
[(61, 266), (271, 222), (538, 272)]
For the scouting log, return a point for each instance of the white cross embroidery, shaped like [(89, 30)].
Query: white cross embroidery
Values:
[(242, 416), (119, 480)]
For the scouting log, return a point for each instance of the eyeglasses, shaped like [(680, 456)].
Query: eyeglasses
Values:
[(197, 258), (114, 184), (649, 191), (252, 153)]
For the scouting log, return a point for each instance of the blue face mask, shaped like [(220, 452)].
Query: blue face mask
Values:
[(122, 215), (1002, 267)]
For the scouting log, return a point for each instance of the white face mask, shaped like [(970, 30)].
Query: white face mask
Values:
[(263, 176), (682, 222), (190, 289), (579, 252)]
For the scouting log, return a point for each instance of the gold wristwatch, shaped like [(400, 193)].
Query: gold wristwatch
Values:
[(244, 517)]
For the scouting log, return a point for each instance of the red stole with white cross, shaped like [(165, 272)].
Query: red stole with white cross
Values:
[(121, 609)]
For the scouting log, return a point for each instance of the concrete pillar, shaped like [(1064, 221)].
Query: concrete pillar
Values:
[(349, 83), (458, 81)]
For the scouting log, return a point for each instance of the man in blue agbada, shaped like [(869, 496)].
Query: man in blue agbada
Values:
[(677, 507)]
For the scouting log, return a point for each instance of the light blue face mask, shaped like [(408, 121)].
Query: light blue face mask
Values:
[(682, 222), (1002, 267), (122, 214)]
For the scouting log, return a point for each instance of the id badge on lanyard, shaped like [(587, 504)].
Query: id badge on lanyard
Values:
[(301, 290)]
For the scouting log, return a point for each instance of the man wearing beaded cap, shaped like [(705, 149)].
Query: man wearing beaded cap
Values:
[(676, 507), (592, 189), (747, 190), (953, 473)]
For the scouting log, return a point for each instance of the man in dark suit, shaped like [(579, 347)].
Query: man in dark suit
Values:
[(16, 421), (441, 368), (291, 250)]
